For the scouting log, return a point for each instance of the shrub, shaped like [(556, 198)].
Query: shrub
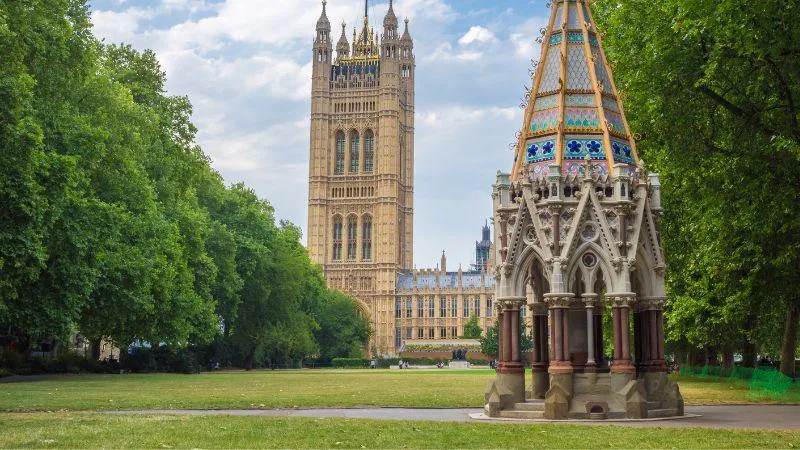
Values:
[(11, 360), (349, 363), (5, 373)]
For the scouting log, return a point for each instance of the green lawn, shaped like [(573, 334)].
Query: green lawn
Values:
[(71, 430), (290, 389)]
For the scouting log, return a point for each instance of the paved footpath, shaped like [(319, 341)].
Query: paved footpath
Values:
[(771, 417)]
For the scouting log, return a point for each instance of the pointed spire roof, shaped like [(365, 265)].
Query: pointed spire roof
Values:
[(574, 110), (390, 21), (406, 34), (343, 47), (323, 24)]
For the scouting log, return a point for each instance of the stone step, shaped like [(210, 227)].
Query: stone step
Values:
[(661, 413), (529, 406), (653, 405), (517, 414)]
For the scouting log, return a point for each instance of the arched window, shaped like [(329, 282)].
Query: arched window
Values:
[(339, 167), (352, 233), (337, 238), (369, 151), (366, 239), (355, 149)]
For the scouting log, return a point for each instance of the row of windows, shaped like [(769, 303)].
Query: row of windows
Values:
[(354, 160), (424, 333), (352, 192), (352, 238), (447, 307), (354, 107)]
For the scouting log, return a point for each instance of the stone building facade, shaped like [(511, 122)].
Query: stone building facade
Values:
[(361, 175)]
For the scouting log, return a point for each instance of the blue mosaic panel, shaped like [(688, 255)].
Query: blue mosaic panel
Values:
[(577, 168), (580, 100), (577, 70), (542, 149), (548, 102), (586, 15), (581, 119), (578, 148), (551, 72), (622, 151), (610, 104), (593, 40), (574, 38), (572, 20), (556, 39), (559, 17), (615, 122), (602, 74)]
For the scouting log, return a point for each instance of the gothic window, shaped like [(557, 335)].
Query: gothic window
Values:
[(478, 307), (420, 333), (337, 238), (408, 308), (398, 309), (442, 332), (355, 148), (466, 308), (352, 234), (453, 307), (454, 332), (408, 333), (431, 307), (420, 307), (369, 151), (366, 239), (443, 308), (489, 311), (398, 337), (431, 333), (339, 167)]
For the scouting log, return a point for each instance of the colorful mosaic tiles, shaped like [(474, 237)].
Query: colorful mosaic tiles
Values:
[(578, 148), (544, 120), (581, 119), (541, 150), (580, 100), (574, 38), (615, 122), (602, 74), (542, 103), (593, 41), (577, 70), (610, 104), (578, 168), (622, 151), (539, 170), (550, 76), (556, 39)]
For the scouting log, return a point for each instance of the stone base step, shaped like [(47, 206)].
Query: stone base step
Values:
[(529, 406), (653, 405), (517, 414), (661, 413)]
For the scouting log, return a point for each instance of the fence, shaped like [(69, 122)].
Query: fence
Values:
[(764, 383)]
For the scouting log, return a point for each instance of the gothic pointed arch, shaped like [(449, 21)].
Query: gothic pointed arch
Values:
[(352, 237), (339, 153), (337, 237), (369, 151), (366, 237), (355, 150)]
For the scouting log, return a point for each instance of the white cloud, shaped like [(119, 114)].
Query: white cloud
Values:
[(477, 34)]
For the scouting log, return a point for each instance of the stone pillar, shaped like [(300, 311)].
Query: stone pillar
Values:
[(559, 305), (590, 301), (651, 311), (622, 304), (599, 342), (500, 334), (541, 356), (511, 372)]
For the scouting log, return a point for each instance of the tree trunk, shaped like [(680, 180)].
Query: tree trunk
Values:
[(789, 348)]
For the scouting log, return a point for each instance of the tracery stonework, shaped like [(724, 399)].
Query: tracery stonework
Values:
[(360, 208)]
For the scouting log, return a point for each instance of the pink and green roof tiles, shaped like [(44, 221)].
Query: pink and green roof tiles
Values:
[(574, 110)]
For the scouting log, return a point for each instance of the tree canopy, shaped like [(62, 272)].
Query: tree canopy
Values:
[(114, 223)]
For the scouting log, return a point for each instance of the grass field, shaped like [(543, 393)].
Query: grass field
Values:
[(295, 389), (74, 430)]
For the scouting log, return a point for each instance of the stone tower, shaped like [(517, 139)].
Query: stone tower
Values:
[(361, 174), (578, 239)]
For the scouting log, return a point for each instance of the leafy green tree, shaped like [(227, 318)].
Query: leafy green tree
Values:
[(472, 329), (712, 88), (343, 332), (490, 342)]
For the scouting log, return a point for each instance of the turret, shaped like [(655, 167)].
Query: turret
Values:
[(343, 47), (390, 24), (323, 48), (444, 263)]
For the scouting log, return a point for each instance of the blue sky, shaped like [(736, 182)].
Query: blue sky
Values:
[(246, 66)]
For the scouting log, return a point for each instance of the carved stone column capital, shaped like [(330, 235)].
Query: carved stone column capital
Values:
[(589, 300), (622, 299), (538, 308), (511, 303), (559, 301), (650, 303)]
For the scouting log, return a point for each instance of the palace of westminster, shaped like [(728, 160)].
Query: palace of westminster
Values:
[(361, 191)]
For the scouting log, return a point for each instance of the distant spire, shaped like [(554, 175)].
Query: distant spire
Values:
[(366, 8), (323, 24)]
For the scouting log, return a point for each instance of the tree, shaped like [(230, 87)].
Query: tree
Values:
[(472, 329), (490, 342), (713, 88), (343, 330)]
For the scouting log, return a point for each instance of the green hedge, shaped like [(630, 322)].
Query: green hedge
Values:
[(349, 363)]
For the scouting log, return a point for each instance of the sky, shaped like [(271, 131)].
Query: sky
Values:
[(246, 67)]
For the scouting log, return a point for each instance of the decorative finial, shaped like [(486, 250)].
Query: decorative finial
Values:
[(587, 167)]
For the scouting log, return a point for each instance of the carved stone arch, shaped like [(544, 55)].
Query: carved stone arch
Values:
[(644, 274), (529, 257), (603, 269)]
